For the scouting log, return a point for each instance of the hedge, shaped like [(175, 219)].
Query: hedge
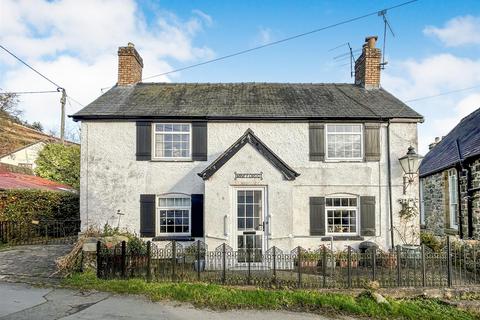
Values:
[(27, 205)]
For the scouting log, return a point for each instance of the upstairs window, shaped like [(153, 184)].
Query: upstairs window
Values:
[(453, 197), (172, 141), (344, 142)]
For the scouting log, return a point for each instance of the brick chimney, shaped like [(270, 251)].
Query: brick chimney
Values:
[(367, 66), (130, 65)]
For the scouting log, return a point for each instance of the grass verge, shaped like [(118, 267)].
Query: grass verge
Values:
[(220, 297)]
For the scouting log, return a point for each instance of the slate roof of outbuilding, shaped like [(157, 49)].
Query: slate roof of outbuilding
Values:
[(246, 100), (446, 153)]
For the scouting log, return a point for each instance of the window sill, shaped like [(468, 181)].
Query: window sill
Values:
[(173, 238), (171, 160), (343, 238), (451, 231), (344, 160)]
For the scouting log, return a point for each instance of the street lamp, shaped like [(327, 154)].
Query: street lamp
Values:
[(410, 164)]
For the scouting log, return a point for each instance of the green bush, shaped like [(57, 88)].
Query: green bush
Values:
[(27, 205), (431, 241)]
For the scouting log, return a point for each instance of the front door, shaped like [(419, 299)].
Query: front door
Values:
[(250, 223)]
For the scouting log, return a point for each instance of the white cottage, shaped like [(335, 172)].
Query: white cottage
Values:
[(248, 164)]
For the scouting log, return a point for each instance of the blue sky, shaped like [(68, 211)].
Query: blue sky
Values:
[(436, 48)]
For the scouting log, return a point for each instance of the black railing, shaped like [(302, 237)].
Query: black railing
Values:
[(39, 232), (299, 268)]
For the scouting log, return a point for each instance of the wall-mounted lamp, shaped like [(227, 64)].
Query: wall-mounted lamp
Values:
[(410, 164)]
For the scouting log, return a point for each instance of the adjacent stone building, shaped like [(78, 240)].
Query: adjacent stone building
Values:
[(450, 182)]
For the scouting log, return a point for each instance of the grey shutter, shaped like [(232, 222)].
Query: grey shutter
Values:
[(372, 141), (144, 141), (199, 141), (367, 216), (147, 215), (316, 137), (317, 216), (197, 215)]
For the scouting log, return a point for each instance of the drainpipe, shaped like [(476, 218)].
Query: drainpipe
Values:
[(389, 164)]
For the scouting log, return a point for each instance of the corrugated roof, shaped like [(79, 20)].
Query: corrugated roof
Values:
[(245, 100), (11, 180), (446, 153)]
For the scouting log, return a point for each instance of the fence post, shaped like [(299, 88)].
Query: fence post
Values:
[(324, 266), (274, 251), (349, 266), (374, 264), (424, 270), (99, 260), (149, 261), (299, 255), (198, 260), (449, 262), (224, 263), (399, 266), (474, 252), (174, 258), (124, 259), (249, 259)]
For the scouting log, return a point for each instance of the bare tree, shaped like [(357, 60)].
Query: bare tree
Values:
[(9, 105)]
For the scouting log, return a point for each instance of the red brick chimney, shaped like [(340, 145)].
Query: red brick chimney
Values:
[(367, 66), (130, 65)]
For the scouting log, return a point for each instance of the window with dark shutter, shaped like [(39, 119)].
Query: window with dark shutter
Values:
[(372, 141), (147, 215), (317, 216), (144, 141), (316, 136), (197, 215), (367, 216), (199, 141)]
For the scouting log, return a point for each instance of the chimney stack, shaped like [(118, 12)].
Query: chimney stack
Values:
[(130, 65), (367, 66)]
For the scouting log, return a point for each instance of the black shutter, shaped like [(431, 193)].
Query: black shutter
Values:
[(197, 215), (147, 215), (316, 137), (317, 216), (199, 141), (144, 141), (367, 216), (372, 141)]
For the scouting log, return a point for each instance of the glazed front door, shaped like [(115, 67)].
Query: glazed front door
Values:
[(250, 223)]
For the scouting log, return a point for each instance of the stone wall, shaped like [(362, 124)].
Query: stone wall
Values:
[(475, 168), (433, 199)]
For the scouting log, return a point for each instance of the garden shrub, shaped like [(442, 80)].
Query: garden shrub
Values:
[(27, 205), (431, 241)]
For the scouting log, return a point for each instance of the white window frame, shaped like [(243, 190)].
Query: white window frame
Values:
[(453, 190), (327, 158), (154, 142), (356, 208), (159, 208)]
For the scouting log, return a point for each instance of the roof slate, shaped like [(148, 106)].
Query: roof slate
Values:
[(446, 153), (245, 100)]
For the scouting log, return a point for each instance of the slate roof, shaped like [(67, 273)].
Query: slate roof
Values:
[(249, 137), (245, 101), (446, 153)]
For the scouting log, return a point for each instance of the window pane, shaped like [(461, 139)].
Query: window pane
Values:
[(241, 196), (329, 202), (241, 210)]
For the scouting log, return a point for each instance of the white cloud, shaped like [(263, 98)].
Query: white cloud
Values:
[(208, 19), (264, 35), (431, 76), (75, 44), (457, 31)]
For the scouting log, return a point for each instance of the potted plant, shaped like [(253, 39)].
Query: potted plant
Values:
[(343, 259)]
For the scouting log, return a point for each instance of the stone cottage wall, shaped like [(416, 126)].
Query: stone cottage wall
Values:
[(475, 167), (434, 203)]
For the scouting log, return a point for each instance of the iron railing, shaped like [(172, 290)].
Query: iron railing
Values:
[(39, 232), (457, 264)]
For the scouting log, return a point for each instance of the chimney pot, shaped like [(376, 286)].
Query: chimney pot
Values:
[(371, 41), (130, 65)]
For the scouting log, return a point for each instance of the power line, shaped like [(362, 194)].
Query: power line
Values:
[(33, 69), (442, 94), (280, 41), (80, 104), (28, 92)]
